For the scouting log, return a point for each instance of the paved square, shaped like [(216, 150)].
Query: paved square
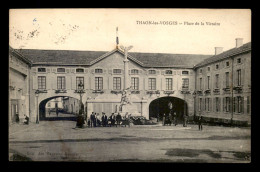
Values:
[(60, 141)]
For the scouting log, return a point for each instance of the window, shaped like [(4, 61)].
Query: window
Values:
[(217, 66), (205, 104), (200, 103), (117, 83), (78, 81), (135, 83), (185, 72), (185, 83), (61, 82), (152, 83), (208, 68), (200, 70), (208, 104), (239, 60), (239, 77), (227, 79), (248, 104), (79, 70), (152, 72), (168, 72), (217, 80), (134, 71), (200, 83), (228, 104), (227, 64), (217, 104), (61, 70), (98, 71), (240, 104), (116, 71), (41, 69), (234, 104), (208, 81), (98, 83), (41, 82), (168, 83)]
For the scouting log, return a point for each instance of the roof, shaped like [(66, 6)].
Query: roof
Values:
[(19, 55), (71, 57), (226, 54)]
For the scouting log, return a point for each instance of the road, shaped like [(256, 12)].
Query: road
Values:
[(60, 141)]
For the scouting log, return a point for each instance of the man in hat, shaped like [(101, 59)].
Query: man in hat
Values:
[(118, 119), (104, 119), (92, 119)]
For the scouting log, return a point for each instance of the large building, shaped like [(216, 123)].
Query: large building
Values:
[(155, 79)]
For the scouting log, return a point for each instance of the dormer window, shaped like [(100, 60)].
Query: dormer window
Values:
[(200, 70), (117, 71), (79, 70), (227, 64), (98, 71), (169, 72), (152, 72), (62, 70), (239, 60), (41, 69), (208, 68), (185, 72), (134, 71), (217, 66)]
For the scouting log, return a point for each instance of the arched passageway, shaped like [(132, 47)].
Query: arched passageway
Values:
[(160, 106), (55, 111)]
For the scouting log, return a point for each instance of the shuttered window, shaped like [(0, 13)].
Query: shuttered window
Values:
[(78, 81), (185, 83)]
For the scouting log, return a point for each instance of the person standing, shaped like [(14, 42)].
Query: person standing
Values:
[(92, 119), (105, 119), (185, 118), (200, 122), (57, 111), (164, 116), (118, 119), (175, 118), (170, 117), (49, 111), (95, 120)]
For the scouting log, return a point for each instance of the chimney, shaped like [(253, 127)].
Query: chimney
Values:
[(239, 42), (218, 50)]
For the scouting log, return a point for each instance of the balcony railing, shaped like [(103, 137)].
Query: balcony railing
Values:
[(116, 91), (153, 92), (226, 89), (207, 91), (98, 91), (60, 91), (200, 92), (168, 92), (216, 91), (185, 91), (135, 92), (41, 91), (79, 91)]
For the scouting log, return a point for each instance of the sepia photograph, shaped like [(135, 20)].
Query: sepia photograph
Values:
[(130, 85)]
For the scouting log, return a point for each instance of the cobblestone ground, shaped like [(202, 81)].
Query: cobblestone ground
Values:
[(60, 141)]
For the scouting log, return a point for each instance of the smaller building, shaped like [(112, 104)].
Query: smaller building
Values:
[(54, 103), (71, 105)]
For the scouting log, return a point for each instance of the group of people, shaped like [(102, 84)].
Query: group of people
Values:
[(96, 120)]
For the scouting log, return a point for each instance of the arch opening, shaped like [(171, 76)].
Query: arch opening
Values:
[(59, 108), (160, 106)]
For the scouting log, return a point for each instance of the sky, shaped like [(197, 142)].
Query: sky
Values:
[(95, 29)]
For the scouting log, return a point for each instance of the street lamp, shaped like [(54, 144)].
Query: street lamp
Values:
[(37, 114), (194, 97), (81, 91)]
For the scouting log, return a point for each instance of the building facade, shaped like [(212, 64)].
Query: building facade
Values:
[(223, 83), (71, 105), (19, 87), (154, 80)]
